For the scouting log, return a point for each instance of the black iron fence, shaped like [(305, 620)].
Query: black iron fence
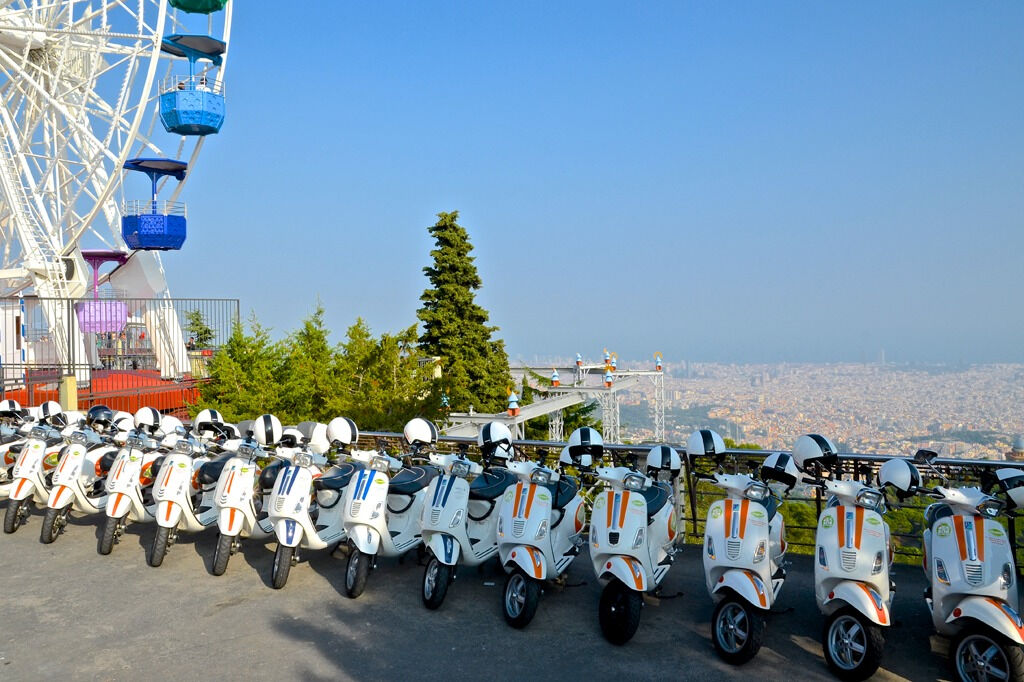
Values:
[(800, 508)]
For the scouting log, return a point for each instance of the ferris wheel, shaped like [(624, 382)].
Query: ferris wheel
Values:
[(90, 88)]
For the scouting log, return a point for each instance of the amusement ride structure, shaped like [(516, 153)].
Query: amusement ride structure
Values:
[(94, 91)]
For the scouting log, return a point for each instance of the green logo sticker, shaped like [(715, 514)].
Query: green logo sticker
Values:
[(716, 512), (379, 481), (997, 532), (599, 503), (244, 470), (181, 465), (544, 496), (757, 514), (638, 503), (873, 521), (943, 530), (828, 522)]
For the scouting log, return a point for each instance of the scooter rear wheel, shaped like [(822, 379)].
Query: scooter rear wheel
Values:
[(17, 512), (108, 536), (53, 522), (159, 549), (853, 645), (436, 579), (619, 612), (522, 594), (737, 629), (222, 554), (978, 653), (282, 565), (356, 571)]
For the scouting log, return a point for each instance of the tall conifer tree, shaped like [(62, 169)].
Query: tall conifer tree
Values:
[(474, 366)]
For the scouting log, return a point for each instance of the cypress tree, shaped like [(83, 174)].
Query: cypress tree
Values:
[(474, 366)]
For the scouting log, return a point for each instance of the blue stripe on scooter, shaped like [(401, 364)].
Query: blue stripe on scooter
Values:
[(282, 481), (369, 480), (289, 530), (295, 474), (359, 482), (448, 490), (446, 540), (437, 490)]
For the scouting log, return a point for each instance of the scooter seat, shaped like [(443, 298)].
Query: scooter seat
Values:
[(211, 471), (154, 468), (562, 491), (936, 511), (336, 479), (16, 448), (657, 497), (491, 484), (412, 480), (106, 461), (269, 475), (55, 440), (10, 438)]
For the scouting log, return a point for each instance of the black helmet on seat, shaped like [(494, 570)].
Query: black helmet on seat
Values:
[(99, 418)]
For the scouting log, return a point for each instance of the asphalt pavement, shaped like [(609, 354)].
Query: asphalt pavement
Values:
[(70, 614)]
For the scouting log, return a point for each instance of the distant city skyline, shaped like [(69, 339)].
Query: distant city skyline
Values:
[(749, 182)]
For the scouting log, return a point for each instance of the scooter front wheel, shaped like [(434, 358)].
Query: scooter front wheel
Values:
[(853, 645), (737, 629), (159, 549), (522, 594), (356, 571), (109, 535), (619, 612), (978, 653), (17, 512), (53, 522), (436, 579), (222, 554), (282, 565)]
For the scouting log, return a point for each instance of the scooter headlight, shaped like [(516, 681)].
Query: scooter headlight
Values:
[(1006, 576), (990, 508), (876, 568), (758, 492), (184, 447), (135, 442), (380, 463), (760, 552), (38, 432), (247, 451), (78, 438), (633, 482), (541, 477), (460, 469), (940, 572), (869, 499), (302, 459)]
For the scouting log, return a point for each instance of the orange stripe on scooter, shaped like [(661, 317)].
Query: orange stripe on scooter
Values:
[(961, 538), (635, 571), (760, 593), (860, 526), (60, 493), (167, 476), (744, 506), (231, 520), (537, 564), (17, 491), (841, 525), (167, 514), (622, 508), (728, 518), (611, 503), (117, 503), (529, 499), (880, 612), (979, 536), (231, 478), (63, 463), (519, 494)]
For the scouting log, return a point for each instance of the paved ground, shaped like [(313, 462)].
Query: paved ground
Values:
[(69, 613)]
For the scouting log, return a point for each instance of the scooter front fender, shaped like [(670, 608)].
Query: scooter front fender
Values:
[(231, 521), (994, 613), (22, 489), (60, 497), (626, 569), (860, 596), (747, 585), (530, 560), (445, 547), (168, 514), (365, 538), (288, 531)]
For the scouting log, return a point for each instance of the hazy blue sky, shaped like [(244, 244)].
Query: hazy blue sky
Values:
[(718, 181)]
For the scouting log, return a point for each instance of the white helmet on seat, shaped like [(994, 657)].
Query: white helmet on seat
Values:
[(342, 432), (585, 440), (420, 432), (203, 421), (779, 466), (169, 425), (123, 422), (663, 458), (147, 419), (290, 437), (495, 440), (901, 475), (565, 458), (705, 443), (48, 410), (813, 449), (9, 408), (316, 432), (1011, 481), (266, 429)]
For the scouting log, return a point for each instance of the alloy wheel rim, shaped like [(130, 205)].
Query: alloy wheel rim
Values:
[(732, 627), (847, 642), (515, 595), (980, 658)]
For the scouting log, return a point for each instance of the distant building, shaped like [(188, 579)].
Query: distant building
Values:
[(1016, 452)]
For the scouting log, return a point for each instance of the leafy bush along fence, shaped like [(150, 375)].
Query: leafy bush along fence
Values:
[(800, 509)]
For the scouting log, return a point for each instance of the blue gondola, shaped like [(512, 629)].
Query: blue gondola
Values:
[(193, 104), (154, 225)]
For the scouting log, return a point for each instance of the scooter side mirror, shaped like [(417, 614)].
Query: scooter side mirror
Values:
[(925, 457)]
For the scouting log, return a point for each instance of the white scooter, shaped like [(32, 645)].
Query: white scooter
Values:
[(972, 595), (744, 547), (540, 526), (305, 507), (33, 469), (15, 428), (632, 538), (458, 520), (130, 481), (79, 481), (183, 500), (382, 515)]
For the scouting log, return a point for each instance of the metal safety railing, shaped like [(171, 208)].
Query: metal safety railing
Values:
[(200, 83), (136, 207), (800, 508)]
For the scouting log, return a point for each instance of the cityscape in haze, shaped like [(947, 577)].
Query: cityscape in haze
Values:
[(971, 411)]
